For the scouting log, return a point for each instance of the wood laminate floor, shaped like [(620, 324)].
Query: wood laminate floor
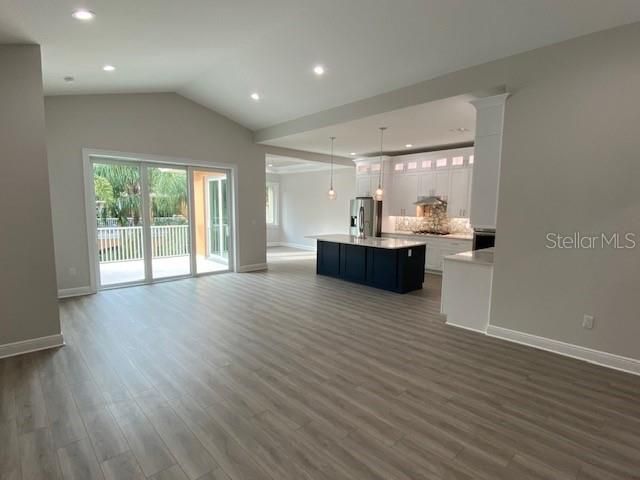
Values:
[(284, 375)]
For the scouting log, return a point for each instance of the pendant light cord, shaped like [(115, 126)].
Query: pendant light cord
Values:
[(332, 140)]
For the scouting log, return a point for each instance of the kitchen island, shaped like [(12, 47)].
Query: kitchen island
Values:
[(391, 264)]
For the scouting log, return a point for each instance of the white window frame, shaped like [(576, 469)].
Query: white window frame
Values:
[(276, 204)]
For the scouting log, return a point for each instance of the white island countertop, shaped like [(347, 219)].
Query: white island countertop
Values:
[(376, 242), (478, 257)]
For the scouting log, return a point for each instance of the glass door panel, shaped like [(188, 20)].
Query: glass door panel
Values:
[(119, 223), (212, 228), (169, 222)]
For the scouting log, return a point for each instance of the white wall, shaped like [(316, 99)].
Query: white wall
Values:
[(570, 164), (306, 209), (28, 305), (160, 124)]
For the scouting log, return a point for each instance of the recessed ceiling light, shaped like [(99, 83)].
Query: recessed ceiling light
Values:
[(108, 68), (409, 145), (352, 153), (69, 79), (318, 70), (255, 96), (83, 14)]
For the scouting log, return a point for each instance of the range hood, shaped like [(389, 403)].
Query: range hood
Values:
[(430, 201)]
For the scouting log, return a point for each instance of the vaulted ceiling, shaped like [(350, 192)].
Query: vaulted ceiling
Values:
[(218, 52)]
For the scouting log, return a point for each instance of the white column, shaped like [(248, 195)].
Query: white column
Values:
[(487, 156)]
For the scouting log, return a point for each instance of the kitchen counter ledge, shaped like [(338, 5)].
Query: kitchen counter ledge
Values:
[(375, 242)]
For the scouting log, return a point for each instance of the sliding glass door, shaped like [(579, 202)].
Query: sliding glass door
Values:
[(119, 222), (218, 221), (159, 221), (212, 219), (169, 220)]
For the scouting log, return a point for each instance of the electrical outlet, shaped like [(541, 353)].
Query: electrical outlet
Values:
[(587, 322)]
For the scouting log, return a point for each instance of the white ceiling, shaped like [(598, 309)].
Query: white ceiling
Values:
[(219, 51), (283, 165), (427, 125)]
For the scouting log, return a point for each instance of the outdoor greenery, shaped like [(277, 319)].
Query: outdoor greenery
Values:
[(118, 191)]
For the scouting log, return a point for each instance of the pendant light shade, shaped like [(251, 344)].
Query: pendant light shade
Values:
[(332, 193), (380, 191)]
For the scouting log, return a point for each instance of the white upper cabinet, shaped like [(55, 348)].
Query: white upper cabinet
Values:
[(368, 176), (402, 194), (427, 186), (363, 185), (446, 174), (442, 184), (458, 205), (363, 169)]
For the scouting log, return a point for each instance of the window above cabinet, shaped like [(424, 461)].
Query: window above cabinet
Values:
[(436, 161)]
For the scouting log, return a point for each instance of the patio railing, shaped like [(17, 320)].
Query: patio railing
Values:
[(120, 244)]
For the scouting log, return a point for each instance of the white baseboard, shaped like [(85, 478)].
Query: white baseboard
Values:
[(252, 268), (74, 292), (464, 327), (31, 345), (598, 357), (298, 246)]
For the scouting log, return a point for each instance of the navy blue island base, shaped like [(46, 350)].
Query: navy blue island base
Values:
[(398, 270)]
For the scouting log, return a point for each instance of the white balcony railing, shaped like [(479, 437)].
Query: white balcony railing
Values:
[(122, 244)]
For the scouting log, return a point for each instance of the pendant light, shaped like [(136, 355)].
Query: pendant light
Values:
[(379, 190), (332, 193)]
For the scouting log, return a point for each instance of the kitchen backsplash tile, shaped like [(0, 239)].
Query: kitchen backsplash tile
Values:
[(437, 221), (460, 225)]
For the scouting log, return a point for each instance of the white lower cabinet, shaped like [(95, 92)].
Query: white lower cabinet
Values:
[(434, 257), (438, 248), (450, 250)]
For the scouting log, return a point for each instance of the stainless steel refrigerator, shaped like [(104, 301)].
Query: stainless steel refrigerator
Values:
[(366, 217)]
